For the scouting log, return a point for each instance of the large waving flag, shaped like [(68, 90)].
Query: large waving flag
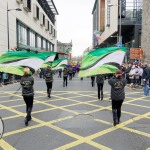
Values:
[(102, 61), (59, 63), (14, 62)]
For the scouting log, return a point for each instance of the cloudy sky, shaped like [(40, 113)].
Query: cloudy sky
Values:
[(74, 22)]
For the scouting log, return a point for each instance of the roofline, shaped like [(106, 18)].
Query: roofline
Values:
[(55, 7), (94, 6)]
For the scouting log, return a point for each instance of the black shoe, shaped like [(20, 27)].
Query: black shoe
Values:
[(98, 97), (26, 121), (101, 98), (115, 123), (30, 118)]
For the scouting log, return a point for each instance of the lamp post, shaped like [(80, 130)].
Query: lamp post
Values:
[(120, 37), (17, 9)]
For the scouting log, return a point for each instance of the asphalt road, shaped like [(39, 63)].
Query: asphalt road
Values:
[(73, 118)]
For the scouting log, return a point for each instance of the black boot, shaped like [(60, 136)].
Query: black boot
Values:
[(49, 94), (26, 121), (115, 118), (101, 95), (29, 115), (118, 115)]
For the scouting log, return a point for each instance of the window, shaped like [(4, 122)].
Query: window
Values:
[(37, 12), (32, 39), (108, 13), (29, 4), (43, 19), (44, 44), (48, 46), (22, 34), (51, 29), (38, 41)]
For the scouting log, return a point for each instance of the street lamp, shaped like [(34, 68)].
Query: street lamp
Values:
[(110, 5), (17, 9)]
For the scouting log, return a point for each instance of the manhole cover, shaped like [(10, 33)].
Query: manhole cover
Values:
[(84, 117), (143, 121)]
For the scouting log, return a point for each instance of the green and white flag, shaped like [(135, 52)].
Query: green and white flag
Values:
[(102, 61), (14, 61), (59, 63)]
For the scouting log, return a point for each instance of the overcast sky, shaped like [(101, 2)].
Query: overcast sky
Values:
[(74, 22)]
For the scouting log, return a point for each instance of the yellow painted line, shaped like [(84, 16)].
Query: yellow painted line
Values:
[(58, 107), (102, 121), (7, 101), (5, 145), (129, 113), (118, 126), (74, 135), (42, 123), (136, 131), (12, 94), (148, 149), (102, 147), (11, 117), (70, 145), (44, 110), (126, 128), (138, 105)]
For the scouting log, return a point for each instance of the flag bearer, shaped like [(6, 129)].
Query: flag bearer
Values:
[(100, 83), (49, 80), (65, 77), (27, 83), (117, 84)]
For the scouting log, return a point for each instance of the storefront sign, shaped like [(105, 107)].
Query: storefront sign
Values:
[(136, 53)]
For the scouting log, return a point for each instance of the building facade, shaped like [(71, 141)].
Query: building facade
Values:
[(146, 30), (114, 25), (28, 24), (64, 50)]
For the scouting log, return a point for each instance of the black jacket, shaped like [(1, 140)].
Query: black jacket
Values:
[(100, 79), (49, 75), (145, 74), (27, 85), (117, 88)]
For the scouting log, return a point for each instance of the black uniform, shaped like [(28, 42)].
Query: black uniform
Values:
[(49, 81), (28, 95), (117, 96), (93, 80), (65, 76), (100, 82)]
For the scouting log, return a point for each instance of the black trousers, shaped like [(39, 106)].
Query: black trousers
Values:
[(29, 103), (49, 86), (65, 81), (100, 88), (93, 81), (116, 105)]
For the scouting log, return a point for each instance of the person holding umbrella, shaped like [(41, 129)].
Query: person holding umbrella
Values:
[(27, 83)]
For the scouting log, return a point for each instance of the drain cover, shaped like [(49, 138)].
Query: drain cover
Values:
[(84, 117)]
